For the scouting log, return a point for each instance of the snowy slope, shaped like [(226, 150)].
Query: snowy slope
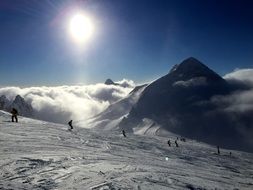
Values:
[(42, 155), (110, 117)]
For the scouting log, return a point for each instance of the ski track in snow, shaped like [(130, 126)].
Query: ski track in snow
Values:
[(41, 155)]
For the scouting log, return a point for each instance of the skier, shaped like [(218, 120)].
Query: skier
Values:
[(14, 113), (124, 133), (176, 143), (182, 139), (70, 124), (218, 149), (169, 143)]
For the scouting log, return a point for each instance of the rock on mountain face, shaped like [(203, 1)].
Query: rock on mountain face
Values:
[(24, 108), (180, 102)]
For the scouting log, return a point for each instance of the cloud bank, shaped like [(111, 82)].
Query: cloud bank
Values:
[(243, 75), (241, 100), (197, 81), (62, 103), (238, 106)]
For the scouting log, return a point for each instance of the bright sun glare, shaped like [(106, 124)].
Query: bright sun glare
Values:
[(81, 28)]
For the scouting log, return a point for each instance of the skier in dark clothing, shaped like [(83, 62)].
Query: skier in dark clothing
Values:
[(218, 149), (14, 113), (182, 139), (176, 143), (70, 125), (124, 133), (169, 143)]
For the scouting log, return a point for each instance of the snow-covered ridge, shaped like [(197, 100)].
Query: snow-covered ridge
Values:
[(41, 155)]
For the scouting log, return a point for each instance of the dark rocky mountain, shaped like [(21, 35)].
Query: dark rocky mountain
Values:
[(182, 90), (181, 102), (24, 108), (4, 103), (110, 82), (19, 103)]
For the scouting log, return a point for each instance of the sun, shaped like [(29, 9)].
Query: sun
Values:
[(81, 28)]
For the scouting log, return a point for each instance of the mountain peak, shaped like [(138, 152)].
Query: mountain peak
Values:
[(4, 102), (19, 103), (20, 99), (191, 61), (188, 63), (192, 67), (3, 97), (24, 108), (109, 82)]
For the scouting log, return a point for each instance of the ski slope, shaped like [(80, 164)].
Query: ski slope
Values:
[(41, 155)]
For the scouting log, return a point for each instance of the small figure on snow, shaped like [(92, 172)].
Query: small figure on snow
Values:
[(169, 143), (70, 125), (176, 143), (182, 139), (218, 149), (14, 113), (124, 133)]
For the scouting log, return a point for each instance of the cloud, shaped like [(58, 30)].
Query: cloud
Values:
[(197, 81), (62, 103), (241, 100), (242, 75), (237, 107), (126, 83)]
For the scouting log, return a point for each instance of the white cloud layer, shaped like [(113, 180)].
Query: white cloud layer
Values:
[(62, 103), (244, 75), (197, 81), (241, 100), (126, 83)]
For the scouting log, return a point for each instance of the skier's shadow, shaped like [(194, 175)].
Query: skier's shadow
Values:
[(8, 121)]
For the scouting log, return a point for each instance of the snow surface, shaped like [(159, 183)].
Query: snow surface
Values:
[(40, 155)]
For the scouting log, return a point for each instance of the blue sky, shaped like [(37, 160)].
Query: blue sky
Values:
[(139, 40)]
